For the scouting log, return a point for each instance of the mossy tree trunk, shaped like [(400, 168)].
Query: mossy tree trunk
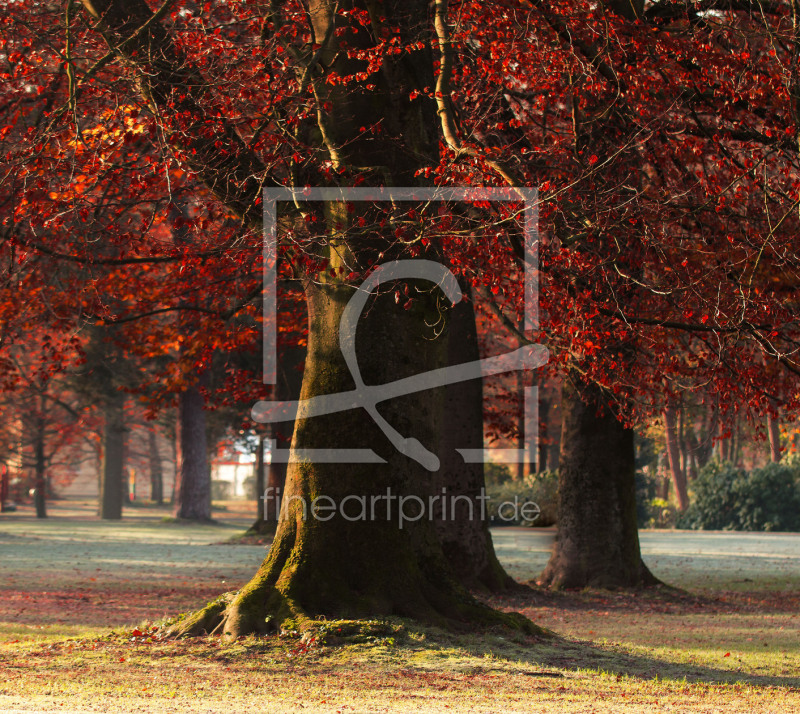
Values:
[(597, 542), (358, 557), (338, 563), (371, 548)]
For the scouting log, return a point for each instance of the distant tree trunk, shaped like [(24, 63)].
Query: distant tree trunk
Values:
[(113, 462), (193, 492), (544, 419), (674, 457), (521, 467), (774, 431), (705, 447), (260, 481), (276, 475), (3, 486), (724, 443), (272, 479), (597, 542), (128, 476), (464, 531), (693, 449), (681, 411), (173, 496), (267, 494), (156, 470), (40, 480)]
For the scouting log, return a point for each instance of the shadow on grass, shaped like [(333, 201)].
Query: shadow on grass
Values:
[(573, 654), (552, 658)]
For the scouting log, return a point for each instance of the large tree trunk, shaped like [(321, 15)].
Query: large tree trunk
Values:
[(674, 457), (329, 564), (597, 542), (373, 548), (193, 492), (464, 533), (156, 469), (112, 482)]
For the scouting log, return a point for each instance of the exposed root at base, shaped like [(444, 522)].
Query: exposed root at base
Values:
[(230, 616)]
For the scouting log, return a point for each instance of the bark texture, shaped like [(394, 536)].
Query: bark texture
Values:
[(355, 557), (597, 542), (464, 531)]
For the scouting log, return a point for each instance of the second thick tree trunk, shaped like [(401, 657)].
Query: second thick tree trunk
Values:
[(597, 542), (464, 533)]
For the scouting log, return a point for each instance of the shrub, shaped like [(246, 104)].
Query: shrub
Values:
[(541, 489), (645, 493), (662, 514), (496, 474), (220, 490), (728, 498)]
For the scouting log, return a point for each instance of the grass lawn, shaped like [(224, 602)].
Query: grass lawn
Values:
[(74, 590)]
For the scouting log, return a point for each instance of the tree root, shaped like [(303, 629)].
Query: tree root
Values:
[(240, 614)]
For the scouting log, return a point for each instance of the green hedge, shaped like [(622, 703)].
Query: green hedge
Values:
[(540, 489), (726, 497)]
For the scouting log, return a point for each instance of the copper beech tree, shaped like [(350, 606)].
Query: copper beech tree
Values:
[(662, 138)]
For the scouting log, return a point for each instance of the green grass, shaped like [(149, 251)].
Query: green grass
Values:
[(418, 669), (727, 642)]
